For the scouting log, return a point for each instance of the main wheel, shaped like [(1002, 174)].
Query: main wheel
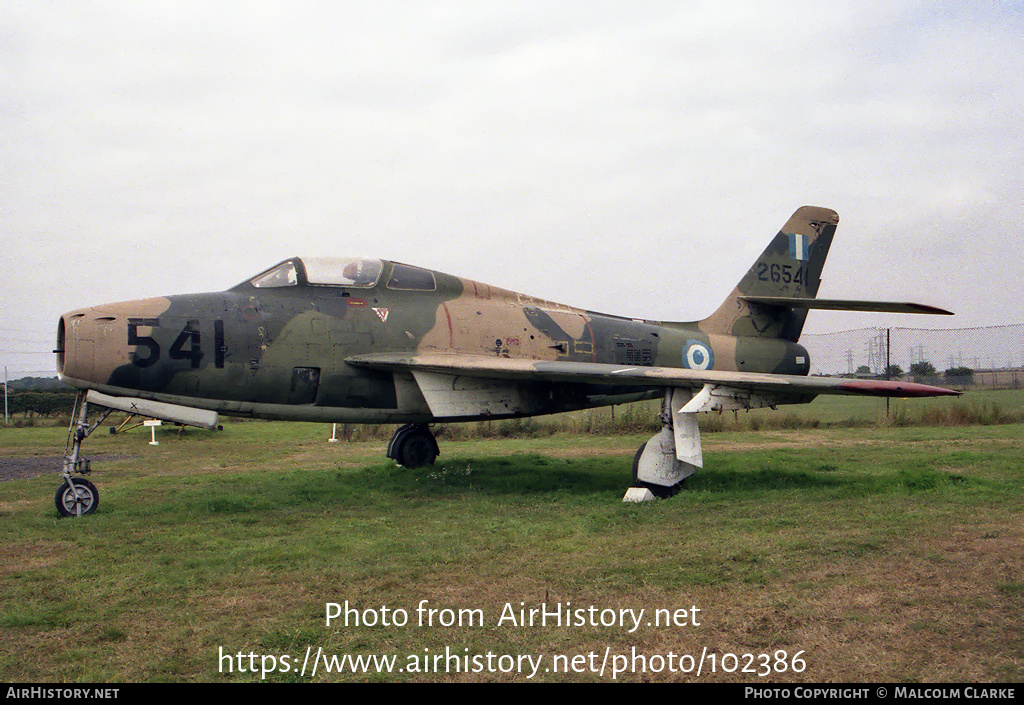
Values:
[(413, 446), (81, 501), (417, 449), (659, 491)]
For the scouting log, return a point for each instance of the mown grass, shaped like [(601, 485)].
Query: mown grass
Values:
[(883, 553)]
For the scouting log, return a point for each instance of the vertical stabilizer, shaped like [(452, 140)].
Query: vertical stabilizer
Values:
[(789, 267)]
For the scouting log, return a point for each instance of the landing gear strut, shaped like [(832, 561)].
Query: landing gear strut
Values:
[(413, 446), (76, 496)]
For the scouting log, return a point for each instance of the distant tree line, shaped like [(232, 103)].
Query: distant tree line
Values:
[(38, 384), (925, 370), (42, 396), (40, 403)]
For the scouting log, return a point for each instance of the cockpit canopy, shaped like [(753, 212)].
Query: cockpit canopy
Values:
[(322, 271), (349, 272)]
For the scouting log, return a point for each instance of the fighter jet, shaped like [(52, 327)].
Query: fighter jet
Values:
[(357, 340)]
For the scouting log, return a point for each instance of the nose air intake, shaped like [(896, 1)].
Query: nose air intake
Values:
[(60, 346), (75, 343)]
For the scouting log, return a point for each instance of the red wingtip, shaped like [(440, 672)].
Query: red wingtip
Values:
[(889, 388)]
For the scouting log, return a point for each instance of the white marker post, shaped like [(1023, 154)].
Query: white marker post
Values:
[(153, 423)]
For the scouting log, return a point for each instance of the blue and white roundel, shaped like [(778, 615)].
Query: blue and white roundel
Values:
[(698, 356)]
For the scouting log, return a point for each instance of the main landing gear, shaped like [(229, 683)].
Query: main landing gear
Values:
[(662, 464), (658, 490), (413, 446), (76, 496)]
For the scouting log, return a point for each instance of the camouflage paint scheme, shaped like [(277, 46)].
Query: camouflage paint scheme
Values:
[(422, 346)]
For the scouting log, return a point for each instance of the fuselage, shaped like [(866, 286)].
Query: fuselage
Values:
[(276, 345)]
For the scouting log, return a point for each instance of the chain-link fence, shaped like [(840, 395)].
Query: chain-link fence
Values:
[(990, 357)]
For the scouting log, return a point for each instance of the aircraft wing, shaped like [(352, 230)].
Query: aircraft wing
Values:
[(500, 368)]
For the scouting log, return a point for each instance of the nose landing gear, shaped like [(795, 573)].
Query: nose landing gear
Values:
[(76, 496)]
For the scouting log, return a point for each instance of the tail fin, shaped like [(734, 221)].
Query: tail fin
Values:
[(790, 267)]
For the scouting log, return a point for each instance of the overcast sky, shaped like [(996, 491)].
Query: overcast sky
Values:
[(626, 157)]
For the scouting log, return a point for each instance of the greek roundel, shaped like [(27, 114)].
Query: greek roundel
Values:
[(698, 356)]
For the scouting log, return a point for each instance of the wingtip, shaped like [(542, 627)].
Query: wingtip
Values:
[(888, 388)]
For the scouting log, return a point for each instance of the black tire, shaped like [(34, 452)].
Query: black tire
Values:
[(413, 446), (85, 495), (659, 491), (417, 450)]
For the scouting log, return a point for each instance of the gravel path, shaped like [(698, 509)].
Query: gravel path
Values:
[(21, 468)]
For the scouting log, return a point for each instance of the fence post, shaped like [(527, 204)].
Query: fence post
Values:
[(888, 372)]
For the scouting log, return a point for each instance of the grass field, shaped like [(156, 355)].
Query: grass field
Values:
[(853, 552)]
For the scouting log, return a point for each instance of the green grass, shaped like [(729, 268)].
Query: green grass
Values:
[(882, 553)]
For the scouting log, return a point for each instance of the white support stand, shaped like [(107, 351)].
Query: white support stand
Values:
[(153, 423), (638, 494), (334, 434)]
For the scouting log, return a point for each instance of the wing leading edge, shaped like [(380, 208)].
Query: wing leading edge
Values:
[(508, 369)]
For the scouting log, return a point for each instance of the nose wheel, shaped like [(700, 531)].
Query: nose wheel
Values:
[(76, 497)]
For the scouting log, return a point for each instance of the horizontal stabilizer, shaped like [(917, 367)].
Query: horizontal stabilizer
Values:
[(846, 305), (157, 409)]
